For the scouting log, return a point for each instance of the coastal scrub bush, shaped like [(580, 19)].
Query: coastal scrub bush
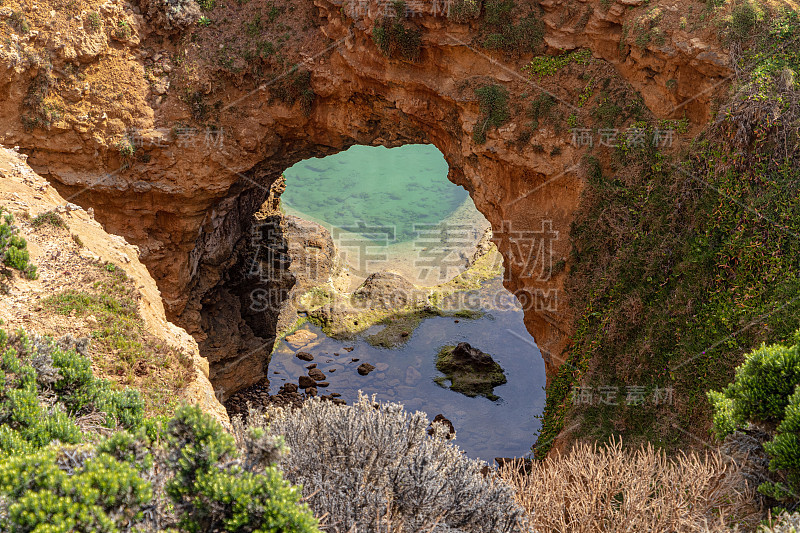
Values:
[(493, 101), (214, 488), (46, 386), (786, 523), (503, 34), (77, 455), (13, 248), (615, 489), (766, 391), (48, 217), (396, 40), (171, 15), (743, 19), (293, 87), (372, 466), (549, 65), (73, 489)]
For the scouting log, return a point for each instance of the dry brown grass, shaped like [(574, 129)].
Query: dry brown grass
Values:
[(614, 489)]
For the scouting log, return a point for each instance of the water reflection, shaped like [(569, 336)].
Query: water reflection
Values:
[(485, 429)]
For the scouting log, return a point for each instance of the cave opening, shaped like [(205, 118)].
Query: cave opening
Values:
[(366, 265)]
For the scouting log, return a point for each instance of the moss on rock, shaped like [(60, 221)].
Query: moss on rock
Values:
[(469, 370)]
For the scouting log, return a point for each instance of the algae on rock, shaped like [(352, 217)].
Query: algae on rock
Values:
[(469, 370)]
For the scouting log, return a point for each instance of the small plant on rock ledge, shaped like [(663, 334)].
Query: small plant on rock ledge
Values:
[(394, 38), (493, 101)]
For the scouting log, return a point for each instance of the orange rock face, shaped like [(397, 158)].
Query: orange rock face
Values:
[(188, 195)]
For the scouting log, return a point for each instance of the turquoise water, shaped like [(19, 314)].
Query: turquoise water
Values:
[(375, 186), (397, 188)]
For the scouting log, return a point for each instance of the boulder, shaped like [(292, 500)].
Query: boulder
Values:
[(385, 289), (316, 374), (306, 382), (300, 338), (365, 368), (304, 356), (469, 370)]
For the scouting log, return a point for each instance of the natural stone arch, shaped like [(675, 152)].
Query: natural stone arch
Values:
[(187, 207)]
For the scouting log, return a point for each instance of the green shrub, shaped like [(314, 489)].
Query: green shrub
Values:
[(70, 489), (493, 100), (463, 10), (48, 217), (761, 389), (13, 248), (541, 109), (18, 21), (743, 19), (294, 87), (95, 23), (766, 391), (32, 367), (395, 40), (549, 65), (504, 34), (242, 496)]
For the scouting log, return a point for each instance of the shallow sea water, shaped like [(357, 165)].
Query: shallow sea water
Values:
[(485, 429), (386, 208), (399, 188)]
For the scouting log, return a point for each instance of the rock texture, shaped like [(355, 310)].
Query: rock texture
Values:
[(187, 195), (23, 192), (469, 370)]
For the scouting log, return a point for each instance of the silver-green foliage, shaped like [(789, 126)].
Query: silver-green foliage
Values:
[(373, 466)]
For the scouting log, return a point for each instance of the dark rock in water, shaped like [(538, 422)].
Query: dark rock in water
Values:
[(335, 395), (365, 368), (316, 374), (440, 419), (339, 401), (349, 349), (312, 365), (311, 392), (306, 382), (322, 384), (355, 360), (289, 388), (305, 356), (331, 370), (470, 371)]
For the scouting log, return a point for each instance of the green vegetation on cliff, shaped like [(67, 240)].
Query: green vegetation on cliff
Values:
[(77, 455), (683, 263), (13, 249)]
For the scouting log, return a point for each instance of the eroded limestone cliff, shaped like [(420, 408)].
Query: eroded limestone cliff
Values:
[(174, 134)]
